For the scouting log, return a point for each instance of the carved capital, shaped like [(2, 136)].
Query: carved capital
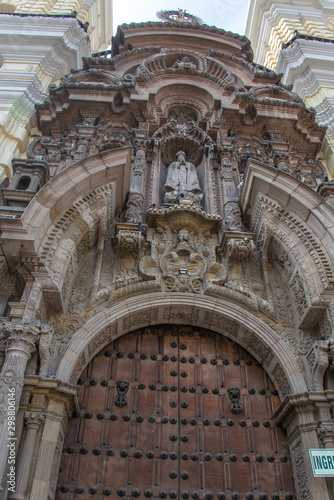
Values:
[(23, 337), (34, 419), (325, 434)]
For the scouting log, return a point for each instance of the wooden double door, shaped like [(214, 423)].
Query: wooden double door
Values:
[(175, 412)]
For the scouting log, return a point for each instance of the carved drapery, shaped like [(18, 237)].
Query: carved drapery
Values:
[(182, 182)]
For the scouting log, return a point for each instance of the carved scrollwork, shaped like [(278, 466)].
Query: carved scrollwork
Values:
[(301, 473), (318, 358), (129, 242), (183, 255)]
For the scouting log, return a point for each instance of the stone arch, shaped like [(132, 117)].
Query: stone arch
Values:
[(295, 219), (219, 315), (59, 195)]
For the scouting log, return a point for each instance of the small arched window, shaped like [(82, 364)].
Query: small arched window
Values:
[(24, 183)]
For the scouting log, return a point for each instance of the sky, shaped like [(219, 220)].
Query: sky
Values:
[(227, 14)]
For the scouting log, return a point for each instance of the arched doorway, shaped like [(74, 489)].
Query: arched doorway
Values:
[(175, 412)]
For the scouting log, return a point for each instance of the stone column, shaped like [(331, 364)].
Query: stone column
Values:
[(34, 421), (21, 340), (62, 402), (35, 182)]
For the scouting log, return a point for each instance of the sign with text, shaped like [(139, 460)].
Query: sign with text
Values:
[(322, 462)]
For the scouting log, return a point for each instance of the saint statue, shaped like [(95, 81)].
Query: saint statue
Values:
[(182, 182)]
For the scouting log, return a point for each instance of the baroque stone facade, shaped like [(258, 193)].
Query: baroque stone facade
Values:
[(181, 186)]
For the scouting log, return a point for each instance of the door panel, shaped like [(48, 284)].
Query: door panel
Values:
[(176, 436)]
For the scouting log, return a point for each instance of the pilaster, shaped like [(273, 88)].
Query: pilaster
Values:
[(307, 419)]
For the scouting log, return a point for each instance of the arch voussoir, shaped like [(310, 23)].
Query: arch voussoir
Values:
[(219, 315)]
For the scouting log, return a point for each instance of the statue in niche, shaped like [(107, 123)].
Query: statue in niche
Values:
[(138, 168), (182, 182), (232, 213), (134, 207)]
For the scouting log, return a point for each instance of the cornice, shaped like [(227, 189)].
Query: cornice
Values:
[(264, 16), (181, 27), (300, 36)]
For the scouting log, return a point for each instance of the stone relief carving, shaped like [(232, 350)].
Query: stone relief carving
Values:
[(79, 366), (301, 473), (262, 352), (106, 336), (7, 283), (283, 261), (304, 247), (240, 248), (56, 463), (81, 287), (183, 315), (282, 300), (318, 359), (297, 287), (183, 254), (300, 341), (282, 382), (45, 349), (129, 243), (142, 318)]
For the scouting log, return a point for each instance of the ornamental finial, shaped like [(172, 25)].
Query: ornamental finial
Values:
[(180, 16)]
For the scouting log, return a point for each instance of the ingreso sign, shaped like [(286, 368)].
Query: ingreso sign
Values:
[(322, 462)]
